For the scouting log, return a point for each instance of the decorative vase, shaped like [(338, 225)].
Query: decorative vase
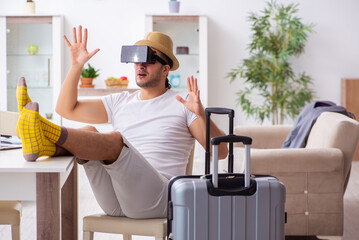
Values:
[(29, 8), (174, 6), (86, 83)]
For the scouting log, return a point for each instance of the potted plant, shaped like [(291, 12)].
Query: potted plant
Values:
[(271, 88), (87, 76), (174, 6)]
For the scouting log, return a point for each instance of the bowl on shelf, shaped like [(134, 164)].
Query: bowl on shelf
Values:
[(121, 82)]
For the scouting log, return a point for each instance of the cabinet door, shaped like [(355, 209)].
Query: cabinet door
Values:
[(29, 53)]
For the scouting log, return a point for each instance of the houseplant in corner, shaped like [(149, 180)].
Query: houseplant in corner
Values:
[(271, 88), (87, 76)]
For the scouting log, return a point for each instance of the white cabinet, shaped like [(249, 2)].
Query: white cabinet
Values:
[(42, 69), (188, 32)]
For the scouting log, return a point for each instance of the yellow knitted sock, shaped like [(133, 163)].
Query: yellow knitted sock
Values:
[(21, 94), (22, 98), (50, 130), (34, 143)]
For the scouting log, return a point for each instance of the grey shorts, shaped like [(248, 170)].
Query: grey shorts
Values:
[(128, 187)]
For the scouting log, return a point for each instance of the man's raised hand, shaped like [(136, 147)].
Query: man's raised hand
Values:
[(193, 102), (78, 50)]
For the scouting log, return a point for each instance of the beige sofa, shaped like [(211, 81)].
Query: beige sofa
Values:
[(315, 176)]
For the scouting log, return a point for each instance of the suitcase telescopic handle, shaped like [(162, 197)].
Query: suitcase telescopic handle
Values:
[(230, 113), (247, 141), (231, 138), (217, 110)]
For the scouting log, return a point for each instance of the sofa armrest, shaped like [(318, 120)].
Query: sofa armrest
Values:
[(265, 136), (267, 161), (288, 160)]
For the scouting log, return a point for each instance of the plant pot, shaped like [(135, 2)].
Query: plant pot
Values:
[(174, 6), (86, 83)]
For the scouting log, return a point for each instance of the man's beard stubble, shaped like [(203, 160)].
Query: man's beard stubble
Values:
[(154, 81)]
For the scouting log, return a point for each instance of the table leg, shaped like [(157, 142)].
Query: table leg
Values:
[(51, 214), (48, 206), (69, 206)]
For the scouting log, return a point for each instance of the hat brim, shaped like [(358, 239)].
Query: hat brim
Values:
[(161, 48)]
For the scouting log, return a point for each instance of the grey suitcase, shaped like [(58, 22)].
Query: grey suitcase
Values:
[(226, 206)]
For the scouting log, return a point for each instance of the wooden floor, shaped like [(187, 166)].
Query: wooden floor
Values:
[(88, 205)]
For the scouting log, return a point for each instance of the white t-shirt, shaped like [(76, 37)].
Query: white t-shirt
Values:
[(157, 128)]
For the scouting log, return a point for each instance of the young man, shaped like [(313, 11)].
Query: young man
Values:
[(154, 131)]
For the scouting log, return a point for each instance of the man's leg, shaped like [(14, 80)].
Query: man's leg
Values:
[(92, 145), (101, 184), (39, 135), (102, 187), (82, 143), (140, 189)]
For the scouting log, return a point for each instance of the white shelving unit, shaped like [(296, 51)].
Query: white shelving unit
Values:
[(43, 71), (187, 31)]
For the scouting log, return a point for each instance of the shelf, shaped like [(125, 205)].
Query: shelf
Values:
[(103, 91), (29, 19), (28, 55), (175, 18), (187, 55), (33, 88), (180, 89)]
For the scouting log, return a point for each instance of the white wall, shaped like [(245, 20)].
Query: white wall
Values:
[(331, 54)]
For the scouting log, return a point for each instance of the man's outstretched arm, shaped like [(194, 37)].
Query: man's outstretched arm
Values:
[(198, 126), (68, 106)]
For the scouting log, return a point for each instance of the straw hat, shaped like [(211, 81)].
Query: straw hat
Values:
[(161, 42)]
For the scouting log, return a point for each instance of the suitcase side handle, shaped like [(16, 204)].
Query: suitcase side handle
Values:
[(231, 138), (230, 113)]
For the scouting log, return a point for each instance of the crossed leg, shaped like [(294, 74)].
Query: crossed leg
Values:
[(87, 143), (125, 185), (43, 138)]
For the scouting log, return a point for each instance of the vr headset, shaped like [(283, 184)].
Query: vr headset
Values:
[(140, 54)]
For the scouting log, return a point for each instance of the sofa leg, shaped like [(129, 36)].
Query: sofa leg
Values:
[(127, 237), (15, 232), (88, 235)]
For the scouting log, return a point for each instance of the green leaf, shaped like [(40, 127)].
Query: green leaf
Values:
[(89, 72), (278, 35)]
